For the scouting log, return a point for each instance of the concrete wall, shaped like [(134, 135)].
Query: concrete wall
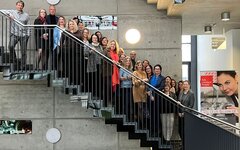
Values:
[(48, 107), (160, 35)]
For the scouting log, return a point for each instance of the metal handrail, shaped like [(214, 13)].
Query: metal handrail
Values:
[(18, 22), (216, 119), (119, 66), (155, 89)]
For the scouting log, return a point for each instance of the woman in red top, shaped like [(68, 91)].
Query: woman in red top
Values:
[(114, 49)]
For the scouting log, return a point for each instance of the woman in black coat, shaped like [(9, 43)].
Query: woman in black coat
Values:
[(41, 39), (72, 53), (186, 98), (168, 110)]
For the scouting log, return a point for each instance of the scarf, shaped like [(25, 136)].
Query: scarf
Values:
[(95, 44), (42, 20)]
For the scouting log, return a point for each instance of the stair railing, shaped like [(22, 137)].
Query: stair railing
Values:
[(157, 115)]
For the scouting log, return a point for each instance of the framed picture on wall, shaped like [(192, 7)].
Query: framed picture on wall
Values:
[(106, 22), (15, 127)]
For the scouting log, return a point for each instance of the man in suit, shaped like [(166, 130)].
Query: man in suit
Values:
[(52, 19), (133, 59)]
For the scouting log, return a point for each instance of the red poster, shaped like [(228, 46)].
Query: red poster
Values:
[(206, 81)]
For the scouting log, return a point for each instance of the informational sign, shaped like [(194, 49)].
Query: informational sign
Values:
[(219, 94), (15, 127), (219, 43)]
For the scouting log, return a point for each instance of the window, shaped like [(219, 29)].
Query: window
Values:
[(186, 71), (186, 57), (186, 38), (186, 52)]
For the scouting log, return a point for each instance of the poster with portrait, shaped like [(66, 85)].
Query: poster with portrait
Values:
[(219, 94), (106, 22), (15, 127)]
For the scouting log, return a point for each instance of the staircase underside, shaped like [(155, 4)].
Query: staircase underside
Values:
[(173, 9)]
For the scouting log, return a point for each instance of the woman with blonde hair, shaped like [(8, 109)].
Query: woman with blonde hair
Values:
[(126, 88), (57, 34), (113, 52), (121, 51), (139, 92), (72, 51)]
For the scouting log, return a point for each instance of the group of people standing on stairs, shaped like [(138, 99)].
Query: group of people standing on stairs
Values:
[(84, 66), (43, 35)]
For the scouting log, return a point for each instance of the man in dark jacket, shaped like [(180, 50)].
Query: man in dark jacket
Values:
[(52, 19)]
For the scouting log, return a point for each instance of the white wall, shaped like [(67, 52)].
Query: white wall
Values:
[(235, 46), (208, 59)]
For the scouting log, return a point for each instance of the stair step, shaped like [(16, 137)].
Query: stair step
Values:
[(80, 98), (118, 116), (107, 114), (137, 135), (84, 102), (113, 120), (58, 82), (130, 123), (71, 89), (165, 147), (16, 81), (155, 143), (146, 143), (125, 128)]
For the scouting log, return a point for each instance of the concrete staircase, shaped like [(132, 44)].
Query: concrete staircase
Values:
[(49, 107), (173, 9)]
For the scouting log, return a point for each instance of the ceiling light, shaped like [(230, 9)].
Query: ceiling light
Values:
[(225, 16), (208, 29)]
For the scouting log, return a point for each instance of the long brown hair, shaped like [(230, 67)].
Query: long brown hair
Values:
[(127, 58), (136, 65), (116, 46), (63, 19)]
